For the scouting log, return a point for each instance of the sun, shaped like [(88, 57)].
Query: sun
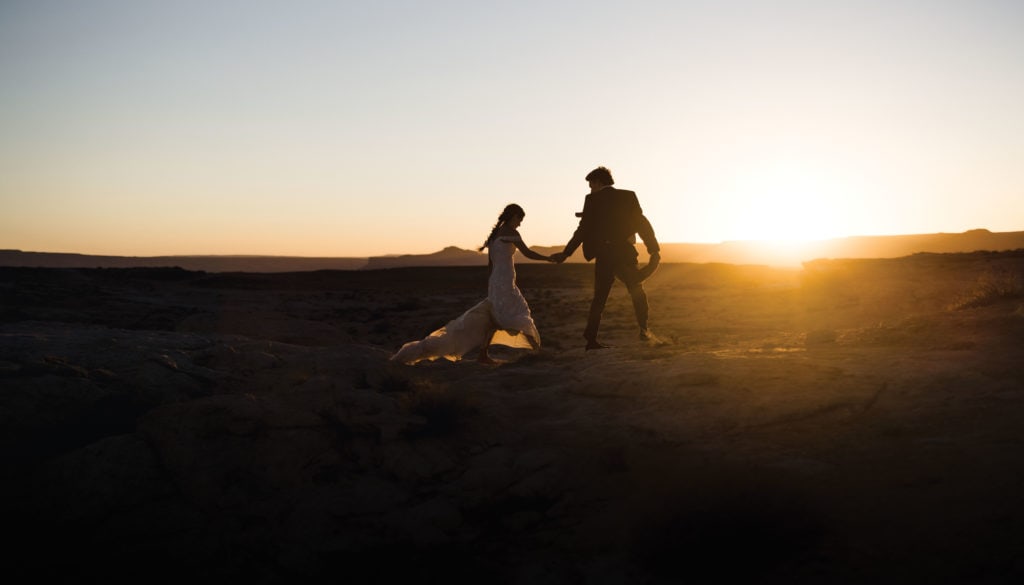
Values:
[(785, 203)]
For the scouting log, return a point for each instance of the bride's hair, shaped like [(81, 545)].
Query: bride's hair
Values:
[(511, 210)]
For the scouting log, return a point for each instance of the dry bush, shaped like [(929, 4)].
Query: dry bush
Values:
[(992, 287)]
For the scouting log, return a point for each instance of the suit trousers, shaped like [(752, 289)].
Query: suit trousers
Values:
[(608, 267)]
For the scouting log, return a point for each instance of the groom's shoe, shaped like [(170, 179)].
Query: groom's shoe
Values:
[(650, 339), (595, 344)]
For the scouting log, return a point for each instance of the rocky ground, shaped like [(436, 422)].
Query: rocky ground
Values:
[(851, 422)]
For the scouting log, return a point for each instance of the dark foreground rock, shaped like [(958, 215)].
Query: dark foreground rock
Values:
[(165, 426)]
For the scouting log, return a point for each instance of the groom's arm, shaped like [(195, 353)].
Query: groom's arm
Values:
[(574, 242), (643, 227), (646, 232), (577, 236)]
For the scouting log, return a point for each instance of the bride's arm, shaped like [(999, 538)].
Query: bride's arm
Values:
[(522, 247)]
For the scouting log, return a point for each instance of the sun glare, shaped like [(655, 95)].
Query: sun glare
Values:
[(785, 203)]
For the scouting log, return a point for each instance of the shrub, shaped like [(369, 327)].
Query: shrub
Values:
[(992, 287)]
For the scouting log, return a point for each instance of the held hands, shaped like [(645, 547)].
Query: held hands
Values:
[(557, 257)]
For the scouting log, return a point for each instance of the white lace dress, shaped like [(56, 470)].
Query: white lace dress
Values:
[(504, 309)]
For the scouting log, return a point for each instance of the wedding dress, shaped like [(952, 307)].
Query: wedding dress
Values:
[(504, 309)]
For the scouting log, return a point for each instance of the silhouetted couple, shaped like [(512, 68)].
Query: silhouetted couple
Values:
[(609, 223)]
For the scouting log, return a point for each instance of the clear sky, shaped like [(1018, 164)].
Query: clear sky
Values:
[(354, 128)]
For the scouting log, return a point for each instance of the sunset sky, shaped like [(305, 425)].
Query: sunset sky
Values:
[(354, 128)]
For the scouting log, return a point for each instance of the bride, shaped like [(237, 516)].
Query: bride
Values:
[(503, 317)]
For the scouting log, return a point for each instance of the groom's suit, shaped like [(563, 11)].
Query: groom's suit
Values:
[(609, 223)]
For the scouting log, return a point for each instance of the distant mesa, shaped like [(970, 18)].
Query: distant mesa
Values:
[(450, 256), (738, 252)]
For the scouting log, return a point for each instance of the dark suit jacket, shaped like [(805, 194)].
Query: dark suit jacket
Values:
[(610, 220)]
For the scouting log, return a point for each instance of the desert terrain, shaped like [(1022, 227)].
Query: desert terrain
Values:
[(851, 421)]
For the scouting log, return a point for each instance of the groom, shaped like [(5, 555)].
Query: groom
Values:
[(610, 220)]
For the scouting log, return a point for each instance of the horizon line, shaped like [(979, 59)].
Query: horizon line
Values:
[(766, 241)]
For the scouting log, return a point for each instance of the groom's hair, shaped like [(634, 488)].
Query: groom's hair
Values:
[(601, 175)]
